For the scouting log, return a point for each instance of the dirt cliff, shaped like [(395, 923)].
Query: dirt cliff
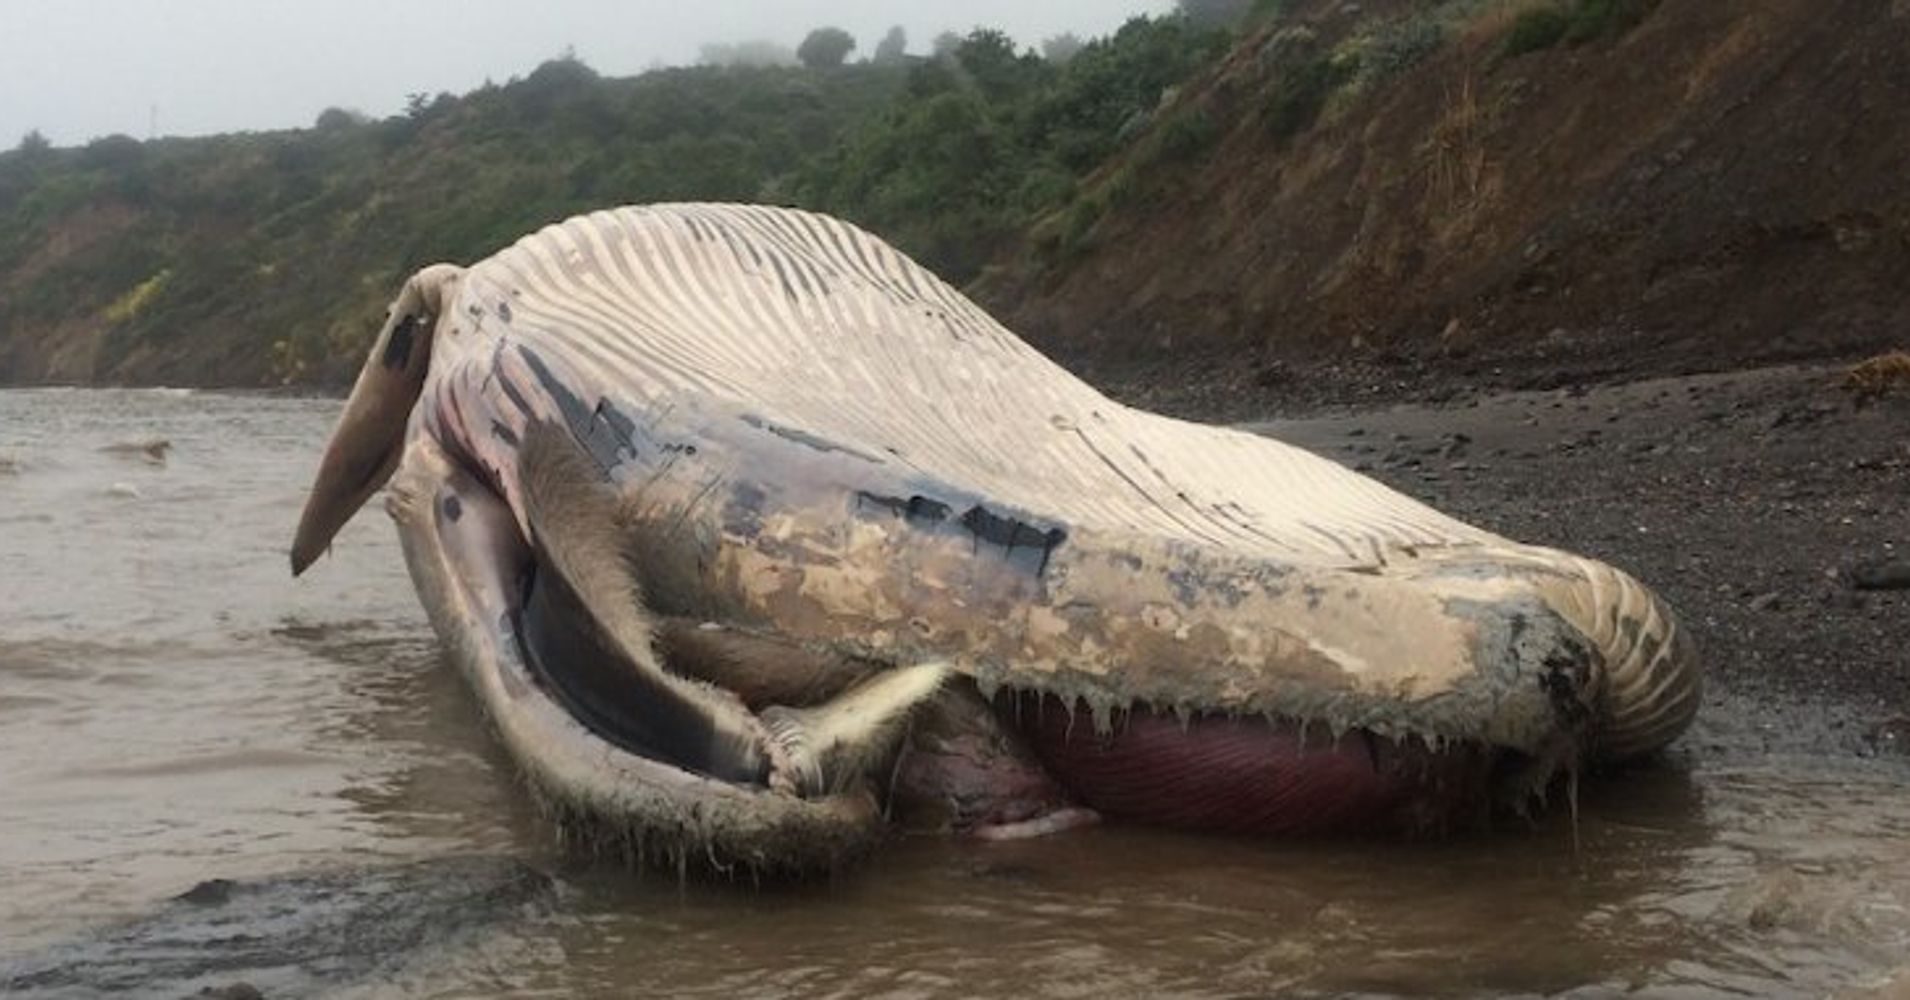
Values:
[(1717, 184)]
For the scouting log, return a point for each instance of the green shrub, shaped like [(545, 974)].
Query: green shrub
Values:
[(1595, 19), (1186, 135), (1536, 29), (1575, 23), (1077, 234), (1400, 45), (1302, 92)]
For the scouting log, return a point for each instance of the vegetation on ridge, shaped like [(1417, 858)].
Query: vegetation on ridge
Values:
[(267, 257)]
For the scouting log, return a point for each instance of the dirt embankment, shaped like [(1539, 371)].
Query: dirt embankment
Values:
[(1721, 186)]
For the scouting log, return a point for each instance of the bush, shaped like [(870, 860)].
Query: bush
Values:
[(1580, 22), (1399, 46), (1536, 29), (1187, 134), (1302, 92), (1595, 19)]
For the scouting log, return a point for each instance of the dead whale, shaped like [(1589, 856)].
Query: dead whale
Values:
[(716, 506)]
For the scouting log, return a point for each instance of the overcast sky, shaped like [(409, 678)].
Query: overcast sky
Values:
[(79, 69)]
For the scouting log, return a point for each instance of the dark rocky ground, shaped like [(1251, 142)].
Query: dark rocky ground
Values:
[(1766, 505)]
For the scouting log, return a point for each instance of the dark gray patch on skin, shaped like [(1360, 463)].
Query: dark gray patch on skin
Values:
[(504, 311), (917, 510), (622, 428), (603, 430), (1013, 535), (1486, 569), (1078, 610), (503, 433), (807, 439), (211, 892), (1187, 586), (512, 393), (398, 345), (577, 416), (743, 514), (453, 508), (1526, 641)]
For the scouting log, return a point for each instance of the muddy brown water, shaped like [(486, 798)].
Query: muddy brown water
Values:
[(174, 709)]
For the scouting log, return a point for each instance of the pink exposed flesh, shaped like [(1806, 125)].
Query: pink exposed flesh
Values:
[(1249, 776)]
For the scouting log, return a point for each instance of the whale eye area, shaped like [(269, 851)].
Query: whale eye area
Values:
[(398, 346)]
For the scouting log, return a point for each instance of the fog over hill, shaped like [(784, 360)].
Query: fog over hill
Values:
[(77, 71)]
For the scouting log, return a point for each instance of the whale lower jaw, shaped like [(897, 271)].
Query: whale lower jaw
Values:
[(472, 568)]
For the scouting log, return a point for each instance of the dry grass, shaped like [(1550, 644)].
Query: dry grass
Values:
[(1456, 174), (1879, 376)]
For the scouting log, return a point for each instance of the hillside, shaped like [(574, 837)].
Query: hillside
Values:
[(1389, 193), (1332, 199), (267, 259)]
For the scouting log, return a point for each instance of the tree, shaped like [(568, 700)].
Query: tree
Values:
[(1213, 13), (755, 53), (34, 143), (118, 151), (989, 58), (825, 47), (945, 45), (335, 118), (1061, 48), (893, 48)]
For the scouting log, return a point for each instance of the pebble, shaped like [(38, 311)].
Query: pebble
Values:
[(1881, 574), (1891, 736), (236, 991)]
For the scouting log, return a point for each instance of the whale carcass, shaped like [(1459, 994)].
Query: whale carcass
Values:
[(742, 526)]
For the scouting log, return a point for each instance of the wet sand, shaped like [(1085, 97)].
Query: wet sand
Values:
[(174, 709)]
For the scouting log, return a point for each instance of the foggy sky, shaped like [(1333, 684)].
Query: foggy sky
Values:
[(79, 69)]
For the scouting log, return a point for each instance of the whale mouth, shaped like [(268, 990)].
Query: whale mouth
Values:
[(623, 761), (583, 724), (618, 775)]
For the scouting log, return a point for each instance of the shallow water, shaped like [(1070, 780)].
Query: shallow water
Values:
[(174, 709)]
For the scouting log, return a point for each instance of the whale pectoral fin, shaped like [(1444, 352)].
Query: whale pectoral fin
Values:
[(832, 745), (762, 669), (585, 616), (369, 438)]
